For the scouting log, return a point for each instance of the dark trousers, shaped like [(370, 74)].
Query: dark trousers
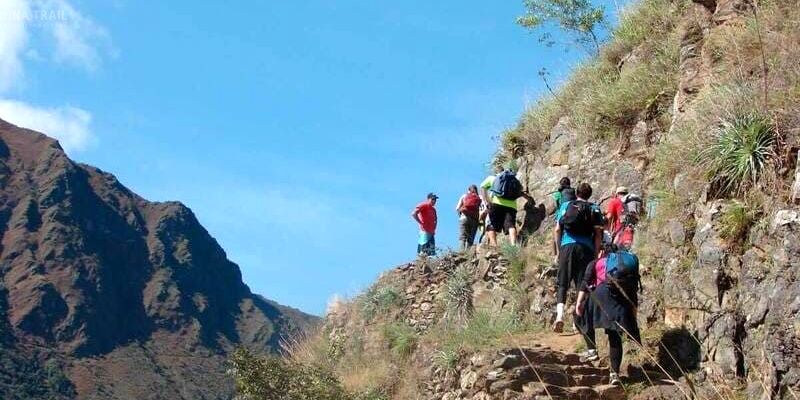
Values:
[(614, 346), (572, 261), (468, 227)]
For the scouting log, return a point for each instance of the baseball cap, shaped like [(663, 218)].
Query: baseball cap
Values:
[(432, 196), (622, 189)]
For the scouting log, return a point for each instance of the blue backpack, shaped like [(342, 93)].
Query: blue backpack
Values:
[(619, 265), (622, 274), (507, 186)]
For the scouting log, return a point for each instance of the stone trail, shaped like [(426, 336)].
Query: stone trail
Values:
[(539, 373)]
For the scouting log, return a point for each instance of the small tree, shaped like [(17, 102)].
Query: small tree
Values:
[(578, 17)]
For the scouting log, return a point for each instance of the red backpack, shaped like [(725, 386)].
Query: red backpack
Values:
[(471, 205)]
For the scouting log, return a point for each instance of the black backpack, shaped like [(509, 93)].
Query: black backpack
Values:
[(507, 186), (567, 195), (578, 218)]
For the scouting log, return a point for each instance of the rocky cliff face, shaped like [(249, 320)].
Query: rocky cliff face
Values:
[(126, 294), (727, 304), (720, 310)]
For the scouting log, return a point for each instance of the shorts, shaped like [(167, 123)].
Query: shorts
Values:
[(426, 244), (502, 218)]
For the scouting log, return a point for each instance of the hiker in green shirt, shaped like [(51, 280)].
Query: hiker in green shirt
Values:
[(502, 211)]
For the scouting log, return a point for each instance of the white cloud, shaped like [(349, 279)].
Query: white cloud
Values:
[(68, 37), (78, 39), (13, 40), (70, 125)]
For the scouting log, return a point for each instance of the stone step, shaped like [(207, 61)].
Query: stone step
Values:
[(586, 370), (588, 380)]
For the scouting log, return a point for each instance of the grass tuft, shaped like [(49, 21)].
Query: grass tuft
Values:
[(736, 220), (379, 300), (741, 153), (458, 295), (402, 339)]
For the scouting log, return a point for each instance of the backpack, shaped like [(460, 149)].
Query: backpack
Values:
[(621, 270), (567, 195), (578, 218), (631, 209), (507, 186), (624, 237), (471, 205)]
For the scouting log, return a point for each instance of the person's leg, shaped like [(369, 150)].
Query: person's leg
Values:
[(581, 259), (585, 325), (510, 224), (463, 235), (492, 235), (496, 220), (472, 231), (563, 277), (565, 256), (614, 349)]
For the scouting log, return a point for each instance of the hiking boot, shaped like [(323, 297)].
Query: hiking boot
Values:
[(558, 327), (613, 379), (589, 355)]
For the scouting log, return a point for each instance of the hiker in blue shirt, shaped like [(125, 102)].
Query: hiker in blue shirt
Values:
[(577, 241)]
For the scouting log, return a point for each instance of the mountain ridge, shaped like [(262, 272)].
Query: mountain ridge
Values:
[(89, 268)]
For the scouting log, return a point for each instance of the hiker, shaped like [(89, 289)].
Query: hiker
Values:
[(564, 193), (425, 215), (615, 210), (622, 214), (468, 209), (608, 299), (500, 192), (577, 241)]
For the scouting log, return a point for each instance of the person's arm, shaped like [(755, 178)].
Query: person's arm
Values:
[(556, 239), (415, 215), (460, 205), (589, 277), (484, 192), (580, 303), (598, 241)]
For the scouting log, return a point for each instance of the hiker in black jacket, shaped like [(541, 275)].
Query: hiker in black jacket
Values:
[(608, 299)]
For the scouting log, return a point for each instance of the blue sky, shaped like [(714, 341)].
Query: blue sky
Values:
[(300, 133)]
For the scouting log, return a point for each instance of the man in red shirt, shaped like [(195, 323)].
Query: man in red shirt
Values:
[(615, 210), (425, 215)]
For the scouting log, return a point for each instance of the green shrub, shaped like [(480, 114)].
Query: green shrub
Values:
[(273, 378), (741, 153), (446, 359), (402, 339), (372, 394), (736, 220), (457, 296), (516, 268), (644, 20), (484, 329), (379, 300)]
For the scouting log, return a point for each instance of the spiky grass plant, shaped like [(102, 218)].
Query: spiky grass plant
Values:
[(458, 294), (446, 359), (402, 339), (379, 300), (741, 153), (513, 254), (736, 220)]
